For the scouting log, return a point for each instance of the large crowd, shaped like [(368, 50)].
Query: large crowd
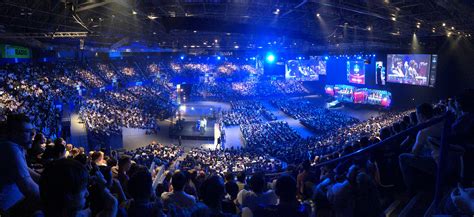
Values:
[(43, 175), (247, 89), (246, 112), (133, 107), (318, 119), (58, 179)]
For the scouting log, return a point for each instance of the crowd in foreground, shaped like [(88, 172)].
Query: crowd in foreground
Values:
[(53, 178)]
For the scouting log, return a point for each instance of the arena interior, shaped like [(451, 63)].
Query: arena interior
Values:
[(236, 108)]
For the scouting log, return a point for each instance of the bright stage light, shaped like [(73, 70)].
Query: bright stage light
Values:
[(182, 57), (218, 58), (270, 58)]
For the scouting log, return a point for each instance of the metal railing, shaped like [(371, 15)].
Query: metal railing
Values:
[(443, 155)]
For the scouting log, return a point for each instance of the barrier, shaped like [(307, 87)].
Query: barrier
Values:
[(443, 155)]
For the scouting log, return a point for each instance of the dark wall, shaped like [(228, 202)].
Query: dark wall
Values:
[(455, 72)]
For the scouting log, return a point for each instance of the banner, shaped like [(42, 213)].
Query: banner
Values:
[(12, 51)]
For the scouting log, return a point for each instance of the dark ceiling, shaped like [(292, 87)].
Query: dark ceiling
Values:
[(185, 25)]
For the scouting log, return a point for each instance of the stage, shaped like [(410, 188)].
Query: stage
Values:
[(189, 131)]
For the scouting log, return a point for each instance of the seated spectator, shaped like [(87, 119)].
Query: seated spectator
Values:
[(98, 159), (177, 198), (190, 188), (241, 180), (55, 151), (230, 186), (16, 183), (121, 174), (37, 148), (423, 156), (213, 192), (144, 203), (340, 195), (65, 196), (463, 127), (256, 195), (288, 205), (303, 178)]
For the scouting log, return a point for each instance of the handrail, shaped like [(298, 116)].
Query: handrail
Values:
[(390, 139), (442, 163)]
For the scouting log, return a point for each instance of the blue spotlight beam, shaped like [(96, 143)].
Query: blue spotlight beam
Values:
[(270, 58)]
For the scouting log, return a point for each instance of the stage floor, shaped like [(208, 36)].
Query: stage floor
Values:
[(134, 138), (189, 132)]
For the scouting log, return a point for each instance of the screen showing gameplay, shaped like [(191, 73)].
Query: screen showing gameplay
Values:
[(409, 69), (356, 72), (305, 70)]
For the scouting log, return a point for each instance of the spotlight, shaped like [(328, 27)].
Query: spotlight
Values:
[(181, 57), (270, 58), (369, 28), (326, 57), (152, 17), (236, 46), (394, 18), (218, 58), (318, 15), (444, 24), (277, 11), (452, 27), (134, 12)]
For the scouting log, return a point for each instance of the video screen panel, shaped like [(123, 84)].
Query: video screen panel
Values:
[(379, 97), (356, 72), (344, 93), (319, 64), (434, 63), (329, 89), (305, 70), (379, 73), (411, 69)]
